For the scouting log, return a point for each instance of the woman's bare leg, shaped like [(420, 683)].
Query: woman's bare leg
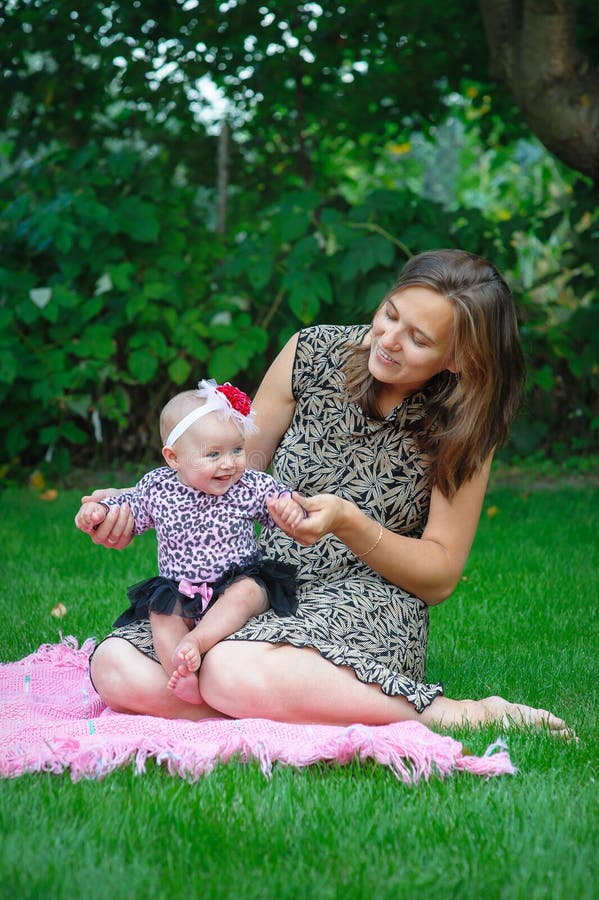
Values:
[(284, 683), (130, 682), (290, 684)]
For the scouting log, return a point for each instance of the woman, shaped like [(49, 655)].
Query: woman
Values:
[(387, 432)]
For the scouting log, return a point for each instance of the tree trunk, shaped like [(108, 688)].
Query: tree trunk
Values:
[(534, 52), (222, 188)]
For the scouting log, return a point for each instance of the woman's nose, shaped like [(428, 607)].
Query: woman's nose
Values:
[(392, 339)]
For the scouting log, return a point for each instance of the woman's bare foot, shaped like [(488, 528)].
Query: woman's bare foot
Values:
[(493, 710), (185, 686), (188, 655), (518, 715)]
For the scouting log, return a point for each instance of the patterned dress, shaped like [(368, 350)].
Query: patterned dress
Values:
[(347, 611)]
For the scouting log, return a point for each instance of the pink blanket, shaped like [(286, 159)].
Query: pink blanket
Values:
[(52, 720)]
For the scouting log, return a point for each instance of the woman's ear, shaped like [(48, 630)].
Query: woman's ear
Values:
[(170, 457), (452, 367)]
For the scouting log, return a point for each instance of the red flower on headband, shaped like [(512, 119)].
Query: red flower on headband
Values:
[(238, 400)]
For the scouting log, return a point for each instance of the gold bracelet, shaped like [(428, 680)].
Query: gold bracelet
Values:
[(375, 545)]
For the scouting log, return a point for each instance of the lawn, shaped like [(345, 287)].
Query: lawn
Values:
[(523, 623)]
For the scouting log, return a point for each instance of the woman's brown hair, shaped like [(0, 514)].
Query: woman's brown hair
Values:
[(470, 413)]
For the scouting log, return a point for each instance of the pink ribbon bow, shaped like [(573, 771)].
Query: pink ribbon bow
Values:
[(189, 589)]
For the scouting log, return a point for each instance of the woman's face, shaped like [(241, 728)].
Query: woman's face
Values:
[(411, 341)]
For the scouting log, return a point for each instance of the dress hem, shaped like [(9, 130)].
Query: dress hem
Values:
[(414, 698)]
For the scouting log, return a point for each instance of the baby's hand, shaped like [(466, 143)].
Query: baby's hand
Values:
[(320, 515), (90, 516), (288, 512)]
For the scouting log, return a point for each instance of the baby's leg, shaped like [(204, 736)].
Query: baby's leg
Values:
[(168, 632), (243, 599)]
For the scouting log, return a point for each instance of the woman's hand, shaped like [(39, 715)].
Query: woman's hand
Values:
[(116, 531), (320, 515), (102, 494)]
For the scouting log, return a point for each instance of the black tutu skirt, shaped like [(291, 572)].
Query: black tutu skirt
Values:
[(162, 595)]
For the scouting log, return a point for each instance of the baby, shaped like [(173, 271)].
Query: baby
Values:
[(203, 505)]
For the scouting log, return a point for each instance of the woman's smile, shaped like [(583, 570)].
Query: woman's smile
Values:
[(384, 356)]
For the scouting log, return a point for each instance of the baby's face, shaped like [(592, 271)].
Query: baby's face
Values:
[(211, 455)]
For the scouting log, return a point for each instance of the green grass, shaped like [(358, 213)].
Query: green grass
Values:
[(523, 623)]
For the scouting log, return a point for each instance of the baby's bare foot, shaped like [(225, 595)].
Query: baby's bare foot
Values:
[(188, 655), (185, 687)]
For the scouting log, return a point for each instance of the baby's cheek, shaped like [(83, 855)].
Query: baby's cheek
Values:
[(197, 463)]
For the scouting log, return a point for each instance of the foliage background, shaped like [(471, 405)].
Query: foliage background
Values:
[(156, 227)]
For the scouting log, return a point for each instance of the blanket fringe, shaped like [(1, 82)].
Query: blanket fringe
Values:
[(92, 760), (66, 653)]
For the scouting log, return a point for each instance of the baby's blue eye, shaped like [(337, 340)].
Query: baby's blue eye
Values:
[(213, 454), (238, 450)]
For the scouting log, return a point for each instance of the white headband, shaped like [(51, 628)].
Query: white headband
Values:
[(216, 401)]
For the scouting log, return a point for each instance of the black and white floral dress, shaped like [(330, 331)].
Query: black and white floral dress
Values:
[(346, 610)]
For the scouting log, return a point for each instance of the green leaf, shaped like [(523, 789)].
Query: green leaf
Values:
[(293, 225), (321, 285), (134, 306), (544, 378), (137, 219), (96, 342), (7, 318), (304, 303), (8, 366), (374, 294), (67, 298), (179, 370), (150, 340), (223, 365), (49, 434), (155, 291), (15, 440), (352, 265), (383, 250), (73, 433), (121, 275), (304, 252), (259, 268), (142, 365)]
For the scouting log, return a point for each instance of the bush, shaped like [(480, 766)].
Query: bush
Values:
[(107, 304), (116, 291)]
